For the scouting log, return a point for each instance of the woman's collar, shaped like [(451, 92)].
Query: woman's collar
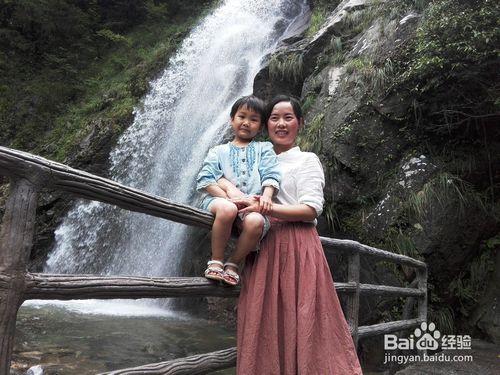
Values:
[(294, 150)]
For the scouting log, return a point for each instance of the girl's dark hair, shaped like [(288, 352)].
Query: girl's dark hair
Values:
[(297, 109), (251, 102)]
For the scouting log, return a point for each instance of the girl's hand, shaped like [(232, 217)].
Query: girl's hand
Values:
[(244, 201), (265, 205)]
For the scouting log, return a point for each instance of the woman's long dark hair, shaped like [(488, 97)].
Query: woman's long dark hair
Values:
[(297, 109)]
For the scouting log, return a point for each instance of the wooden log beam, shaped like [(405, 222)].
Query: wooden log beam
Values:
[(383, 328), (54, 175), (390, 290), (196, 364), (16, 240), (67, 287), (349, 246)]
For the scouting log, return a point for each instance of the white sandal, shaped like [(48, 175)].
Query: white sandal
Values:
[(231, 277), (215, 273)]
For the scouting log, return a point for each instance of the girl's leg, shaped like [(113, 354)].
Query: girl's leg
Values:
[(252, 227), (225, 213)]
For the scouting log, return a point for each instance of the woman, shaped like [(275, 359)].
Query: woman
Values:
[(289, 316)]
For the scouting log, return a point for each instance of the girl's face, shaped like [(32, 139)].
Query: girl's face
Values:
[(283, 127), (246, 124)]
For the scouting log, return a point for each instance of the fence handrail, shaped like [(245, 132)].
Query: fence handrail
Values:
[(47, 174), (31, 173), (44, 173), (69, 287), (350, 246)]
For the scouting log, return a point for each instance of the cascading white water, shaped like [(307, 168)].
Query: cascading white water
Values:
[(184, 114)]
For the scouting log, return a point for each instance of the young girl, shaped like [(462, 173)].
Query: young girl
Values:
[(253, 168)]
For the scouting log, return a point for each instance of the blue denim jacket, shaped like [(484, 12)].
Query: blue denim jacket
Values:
[(249, 168)]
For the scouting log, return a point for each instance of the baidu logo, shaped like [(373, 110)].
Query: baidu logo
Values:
[(424, 337), (427, 337)]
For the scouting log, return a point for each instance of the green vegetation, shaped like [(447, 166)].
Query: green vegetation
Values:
[(357, 21), (401, 243), (318, 18), (309, 102), (442, 192), (469, 285), (320, 11), (372, 77), (311, 137), (330, 214), (338, 54), (451, 66), (440, 313), (66, 66), (289, 66)]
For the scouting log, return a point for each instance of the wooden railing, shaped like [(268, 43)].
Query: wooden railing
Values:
[(29, 174)]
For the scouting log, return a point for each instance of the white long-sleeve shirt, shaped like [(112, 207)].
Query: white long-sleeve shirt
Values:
[(302, 179)]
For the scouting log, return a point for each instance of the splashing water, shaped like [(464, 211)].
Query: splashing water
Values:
[(184, 114)]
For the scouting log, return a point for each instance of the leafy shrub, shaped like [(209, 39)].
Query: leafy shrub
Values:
[(452, 64)]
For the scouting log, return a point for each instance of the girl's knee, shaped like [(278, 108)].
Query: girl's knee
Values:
[(226, 211), (253, 222)]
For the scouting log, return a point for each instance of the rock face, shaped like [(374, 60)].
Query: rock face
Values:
[(484, 362), (389, 183)]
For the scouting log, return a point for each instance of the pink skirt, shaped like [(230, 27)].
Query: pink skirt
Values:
[(290, 321)]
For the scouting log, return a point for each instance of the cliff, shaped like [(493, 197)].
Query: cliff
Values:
[(400, 105)]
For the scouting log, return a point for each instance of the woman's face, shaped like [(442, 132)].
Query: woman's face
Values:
[(283, 127)]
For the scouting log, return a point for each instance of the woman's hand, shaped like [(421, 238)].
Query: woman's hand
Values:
[(245, 202), (255, 203), (265, 205)]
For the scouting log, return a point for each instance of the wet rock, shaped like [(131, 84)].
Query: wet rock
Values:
[(333, 26), (369, 41), (296, 29), (485, 362), (35, 370), (413, 173), (394, 106), (487, 314), (93, 151), (265, 87)]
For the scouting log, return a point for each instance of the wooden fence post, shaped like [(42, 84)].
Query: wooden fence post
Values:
[(16, 240), (422, 286), (353, 298)]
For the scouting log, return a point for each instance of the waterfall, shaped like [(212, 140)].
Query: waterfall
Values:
[(185, 113)]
